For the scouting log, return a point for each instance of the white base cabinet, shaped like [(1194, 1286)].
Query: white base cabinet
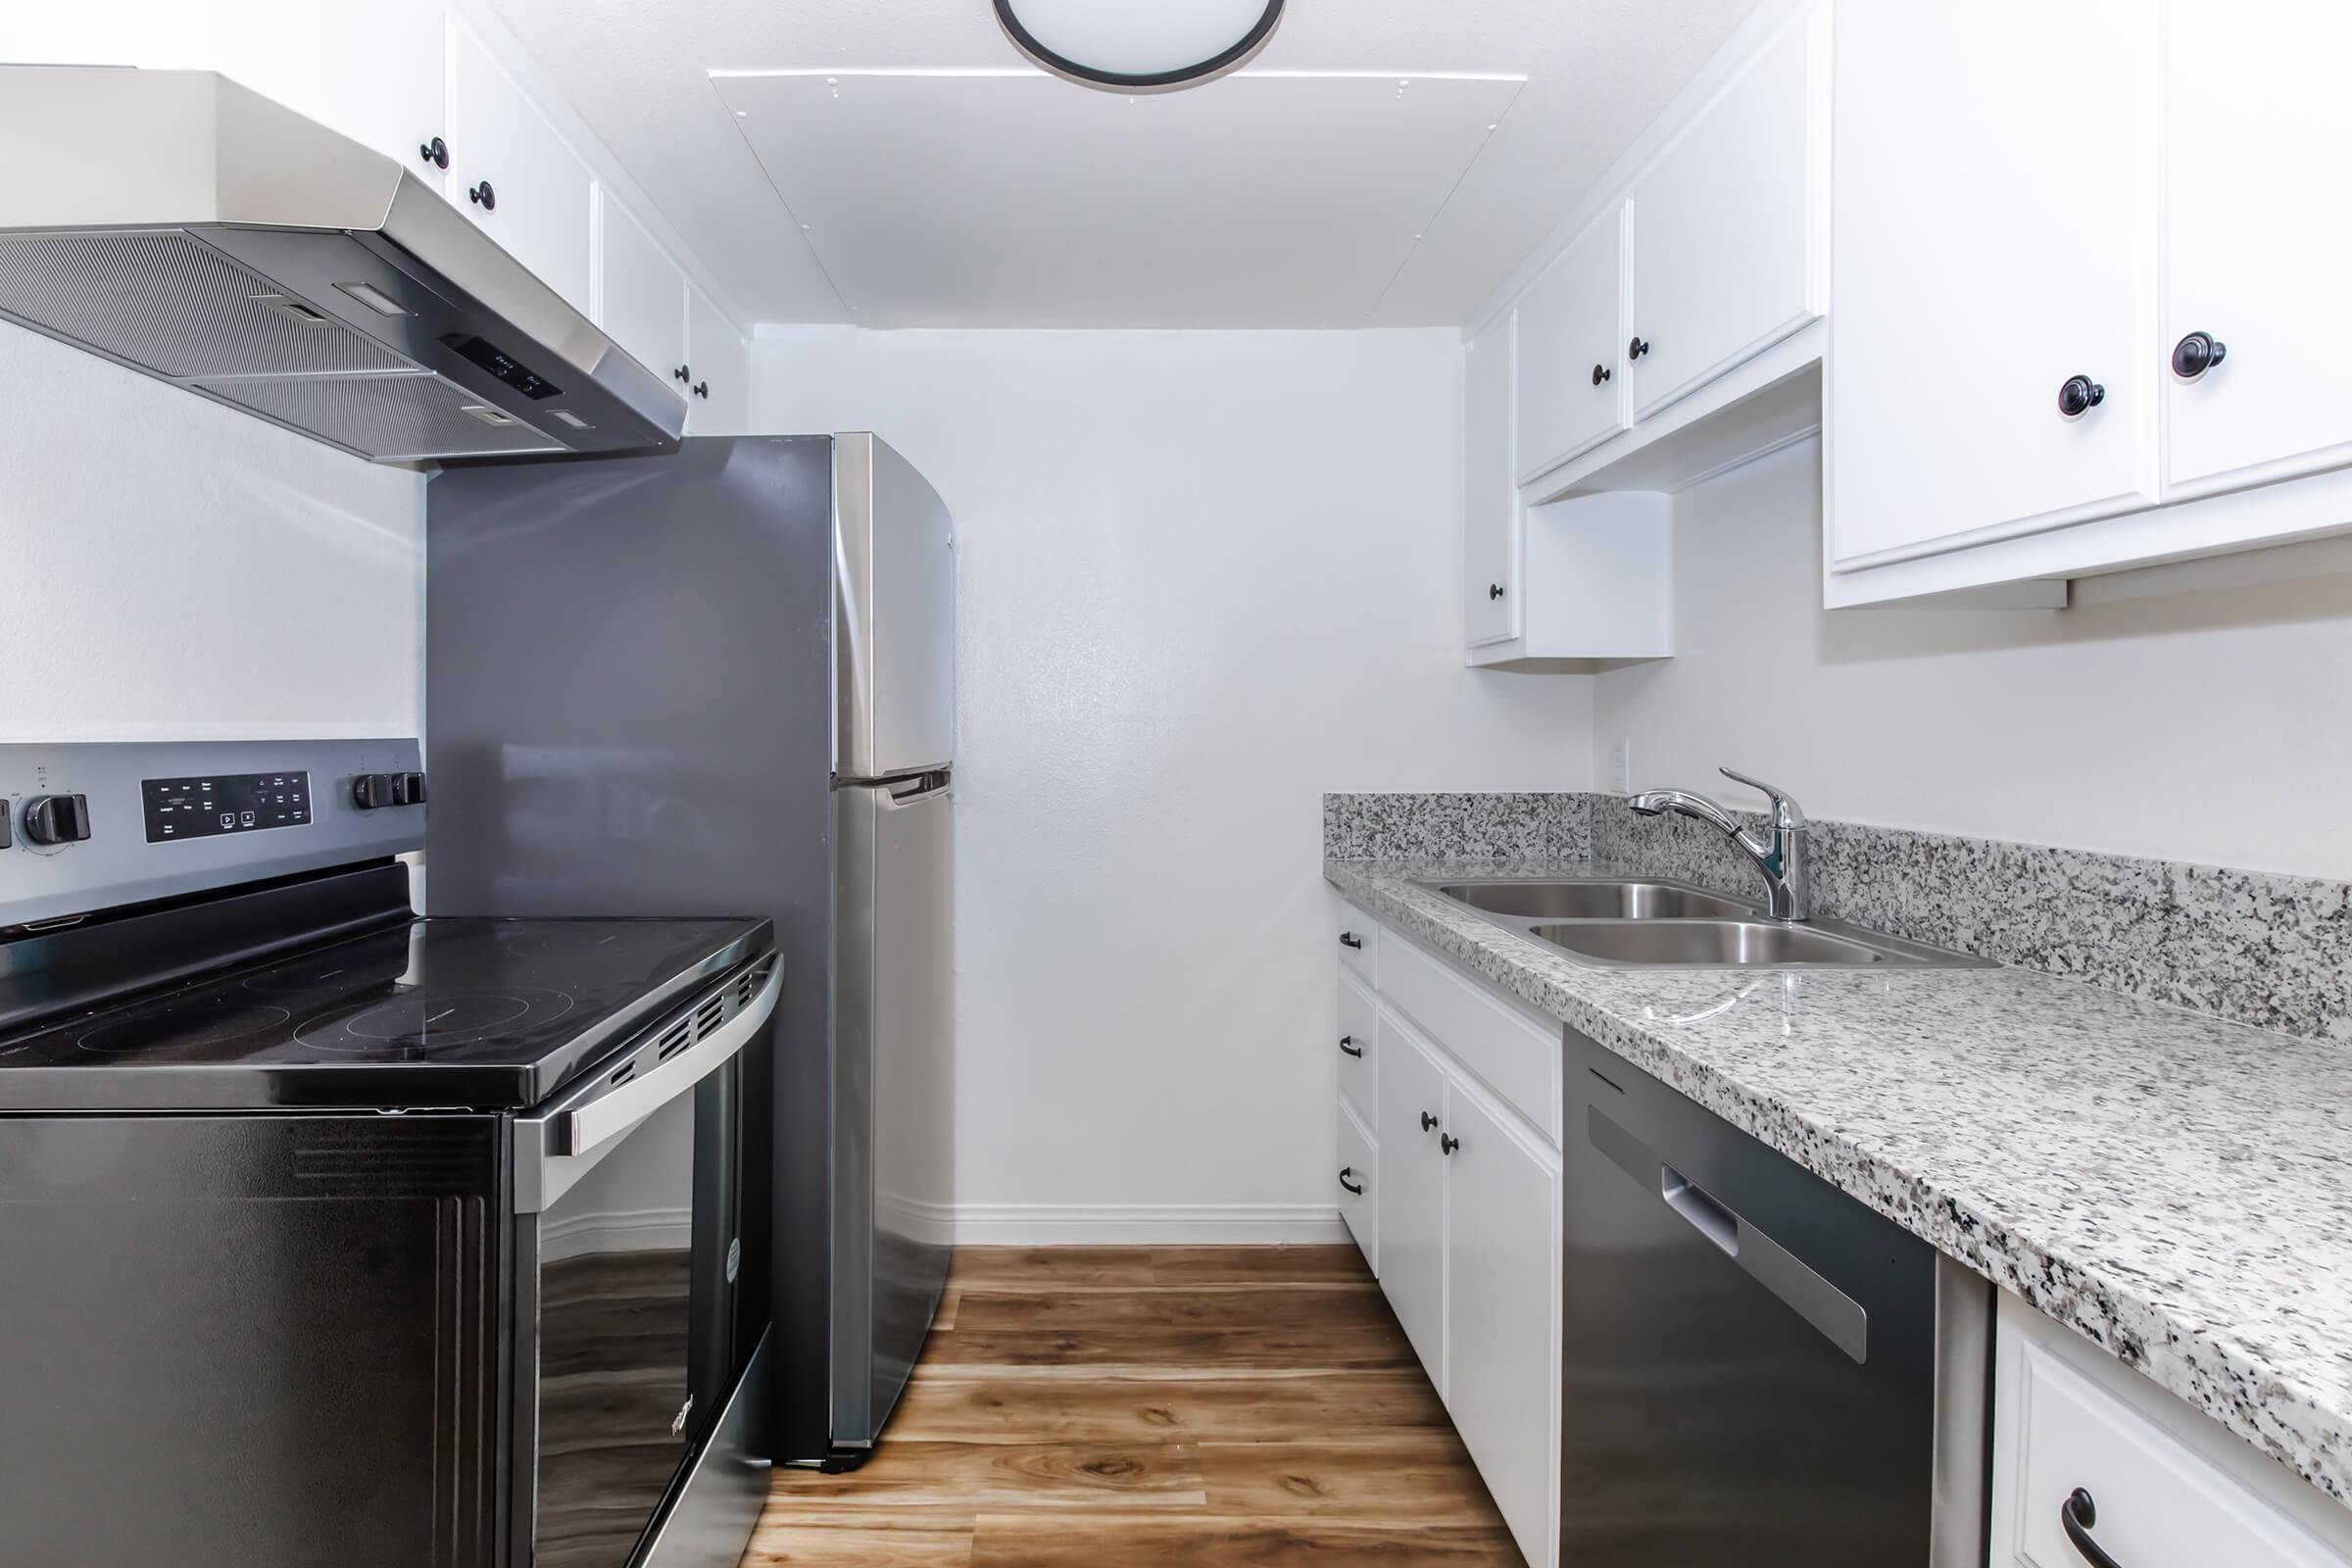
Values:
[(2082, 1441), (1463, 1195)]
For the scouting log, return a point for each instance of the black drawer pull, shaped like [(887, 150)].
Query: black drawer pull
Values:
[(1348, 939), (1429, 1123), (2078, 1513), (1349, 1046), (1449, 1143), (1601, 373), (1346, 1171)]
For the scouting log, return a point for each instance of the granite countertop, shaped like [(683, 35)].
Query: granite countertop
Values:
[(2175, 1188)]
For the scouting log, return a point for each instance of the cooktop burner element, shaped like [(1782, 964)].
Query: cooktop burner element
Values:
[(425, 1022), (179, 1029), (418, 1012)]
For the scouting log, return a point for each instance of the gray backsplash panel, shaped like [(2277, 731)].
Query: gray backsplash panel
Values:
[(2274, 951)]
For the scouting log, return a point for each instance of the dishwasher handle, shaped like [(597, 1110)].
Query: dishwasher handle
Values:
[(1709, 1218), (1835, 1315)]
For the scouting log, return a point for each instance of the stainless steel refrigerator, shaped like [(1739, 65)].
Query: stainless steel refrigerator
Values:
[(721, 681)]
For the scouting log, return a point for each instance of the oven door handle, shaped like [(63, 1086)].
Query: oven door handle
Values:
[(615, 1112)]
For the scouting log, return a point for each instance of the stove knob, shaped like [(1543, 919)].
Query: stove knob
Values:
[(371, 791), (408, 789), (57, 819)]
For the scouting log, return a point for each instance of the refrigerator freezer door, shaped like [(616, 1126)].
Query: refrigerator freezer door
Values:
[(894, 1044), (894, 655)]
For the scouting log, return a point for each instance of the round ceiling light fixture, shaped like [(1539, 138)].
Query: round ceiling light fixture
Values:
[(1124, 47)]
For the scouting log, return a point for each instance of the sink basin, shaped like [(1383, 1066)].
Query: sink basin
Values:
[(1760, 943), (1596, 900), (1643, 923)]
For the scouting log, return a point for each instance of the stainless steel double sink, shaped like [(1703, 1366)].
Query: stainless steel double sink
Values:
[(1627, 923)]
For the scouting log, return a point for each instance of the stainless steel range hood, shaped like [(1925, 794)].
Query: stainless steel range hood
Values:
[(190, 228)]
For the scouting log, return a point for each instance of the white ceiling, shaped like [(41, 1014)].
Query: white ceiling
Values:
[(983, 194)]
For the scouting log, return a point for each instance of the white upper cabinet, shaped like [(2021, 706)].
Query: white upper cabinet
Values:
[(1489, 498), (1722, 241), (381, 85), (2257, 249), (641, 292), (1989, 236), (1569, 395), (719, 398), (511, 174)]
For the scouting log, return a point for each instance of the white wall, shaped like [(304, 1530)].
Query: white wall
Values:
[(2191, 712), (1204, 577), (170, 568)]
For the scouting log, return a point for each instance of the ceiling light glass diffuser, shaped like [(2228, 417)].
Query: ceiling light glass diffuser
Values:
[(1120, 46)]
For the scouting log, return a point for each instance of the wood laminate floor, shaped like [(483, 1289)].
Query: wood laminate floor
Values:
[(1092, 1407)]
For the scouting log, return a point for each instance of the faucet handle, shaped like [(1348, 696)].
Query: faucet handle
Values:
[(1785, 813)]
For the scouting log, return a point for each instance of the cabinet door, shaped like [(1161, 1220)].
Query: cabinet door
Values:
[(1990, 234), (1490, 490), (1501, 1314), (511, 174), (1569, 352), (1723, 228), (381, 85), (721, 398), (1359, 1188), (1411, 1212), (2255, 255), (642, 294)]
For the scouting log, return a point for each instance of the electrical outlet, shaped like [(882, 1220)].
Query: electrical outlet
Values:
[(1621, 765)]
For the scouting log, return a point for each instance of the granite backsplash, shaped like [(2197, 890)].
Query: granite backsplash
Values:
[(2270, 951)]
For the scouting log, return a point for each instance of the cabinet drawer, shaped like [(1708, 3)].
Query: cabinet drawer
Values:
[(1359, 1071), (1359, 944), (2157, 1501), (1512, 1054), (1358, 1187)]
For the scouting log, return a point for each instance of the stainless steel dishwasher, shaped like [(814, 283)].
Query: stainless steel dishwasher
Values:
[(1757, 1370)]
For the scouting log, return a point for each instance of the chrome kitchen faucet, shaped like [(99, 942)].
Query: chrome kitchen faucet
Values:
[(1780, 856)]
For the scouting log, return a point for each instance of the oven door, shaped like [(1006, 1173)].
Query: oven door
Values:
[(627, 1257)]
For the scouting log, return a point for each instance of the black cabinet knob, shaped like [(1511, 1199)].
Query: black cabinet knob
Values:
[(57, 819), (1601, 373), (372, 792), (2079, 396), (2196, 354), (701, 389), (1448, 1142), (2075, 1516), (1636, 349), (1348, 939), (434, 152), (1346, 1171), (484, 195), (1494, 590), (1349, 1046), (1428, 1122), (682, 375)]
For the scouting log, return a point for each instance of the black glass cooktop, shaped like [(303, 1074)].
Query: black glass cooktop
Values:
[(433, 1012)]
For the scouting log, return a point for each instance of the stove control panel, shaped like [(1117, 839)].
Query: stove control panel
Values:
[(108, 825), (203, 808)]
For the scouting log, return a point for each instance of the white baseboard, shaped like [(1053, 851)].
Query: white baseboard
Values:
[(1145, 1224), (628, 1230)]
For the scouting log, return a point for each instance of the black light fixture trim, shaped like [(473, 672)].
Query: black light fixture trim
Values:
[(1157, 81)]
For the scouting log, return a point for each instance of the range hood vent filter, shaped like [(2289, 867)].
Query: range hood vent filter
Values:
[(170, 305), (389, 417)]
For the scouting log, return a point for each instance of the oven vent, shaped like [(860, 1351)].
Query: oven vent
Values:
[(711, 1014), (679, 1037), (622, 1074)]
